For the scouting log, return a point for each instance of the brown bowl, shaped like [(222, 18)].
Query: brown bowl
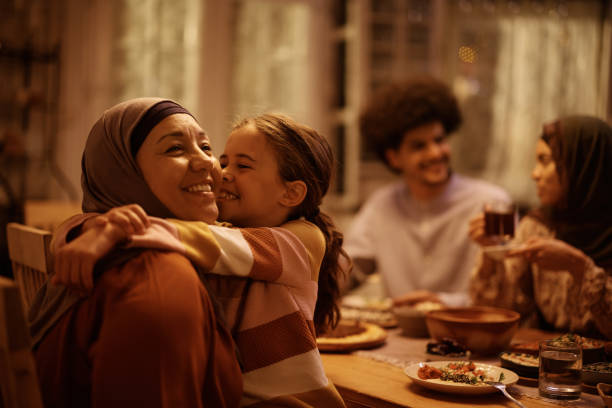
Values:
[(483, 330)]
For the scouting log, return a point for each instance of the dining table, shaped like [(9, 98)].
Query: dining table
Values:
[(376, 378)]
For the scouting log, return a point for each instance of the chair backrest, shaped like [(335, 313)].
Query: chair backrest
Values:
[(49, 214), (29, 254), (18, 380)]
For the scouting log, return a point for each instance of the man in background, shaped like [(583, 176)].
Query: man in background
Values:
[(414, 232)]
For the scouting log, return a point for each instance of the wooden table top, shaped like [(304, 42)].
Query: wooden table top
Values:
[(365, 382)]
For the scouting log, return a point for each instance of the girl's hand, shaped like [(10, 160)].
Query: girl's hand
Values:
[(550, 253), (477, 231), (73, 263), (132, 218)]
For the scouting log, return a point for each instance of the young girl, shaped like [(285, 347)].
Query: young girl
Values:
[(275, 173)]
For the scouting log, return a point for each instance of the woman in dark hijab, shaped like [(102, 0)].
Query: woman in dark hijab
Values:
[(562, 270), (147, 334)]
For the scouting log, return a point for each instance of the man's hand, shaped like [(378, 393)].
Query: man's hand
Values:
[(414, 297)]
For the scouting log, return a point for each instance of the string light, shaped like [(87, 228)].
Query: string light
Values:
[(467, 54)]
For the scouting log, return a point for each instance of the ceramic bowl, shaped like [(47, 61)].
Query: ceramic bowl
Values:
[(484, 330), (411, 319)]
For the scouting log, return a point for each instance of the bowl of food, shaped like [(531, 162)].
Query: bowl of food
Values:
[(411, 318), (592, 349), (595, 373), (483, 330)]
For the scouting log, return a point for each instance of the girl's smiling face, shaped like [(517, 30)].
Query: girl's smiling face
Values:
[(252, 190), (550, 189), (177, 163)]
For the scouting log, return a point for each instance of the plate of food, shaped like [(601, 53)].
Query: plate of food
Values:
[(592, 349), (459, 377), (370, 310), (524, 364), (597, 373), (352, 335)]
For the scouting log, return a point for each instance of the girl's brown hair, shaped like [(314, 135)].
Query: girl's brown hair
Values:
[(303, 154)]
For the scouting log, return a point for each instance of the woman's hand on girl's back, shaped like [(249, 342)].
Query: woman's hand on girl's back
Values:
[(552, 254), (74, 262)]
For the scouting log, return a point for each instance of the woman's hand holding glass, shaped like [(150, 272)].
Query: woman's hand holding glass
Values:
[(477, 231), (75, 261)]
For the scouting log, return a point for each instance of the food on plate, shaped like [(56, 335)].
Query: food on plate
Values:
[(525, 365), (532, 348), (377, 311), (597, 372), (592, 349), (585, 342), (460, 372), (352, 335), (427, 306), (447, 347)]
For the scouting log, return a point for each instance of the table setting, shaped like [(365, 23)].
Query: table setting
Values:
[(402, 369)]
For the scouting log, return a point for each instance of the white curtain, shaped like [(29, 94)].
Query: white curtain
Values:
[(547, 66), (270, 68), (157, 50)]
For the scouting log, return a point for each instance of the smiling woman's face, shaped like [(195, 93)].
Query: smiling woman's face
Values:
[(177, 163)]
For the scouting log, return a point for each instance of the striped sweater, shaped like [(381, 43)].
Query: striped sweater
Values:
[(276, 337)]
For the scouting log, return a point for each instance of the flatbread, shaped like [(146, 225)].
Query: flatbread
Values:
[(352, 335)]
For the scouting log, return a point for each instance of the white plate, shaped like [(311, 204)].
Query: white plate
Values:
[(460, 388)]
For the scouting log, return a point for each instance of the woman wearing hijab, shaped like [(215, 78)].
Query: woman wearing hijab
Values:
[(147, 334), (561, 272)]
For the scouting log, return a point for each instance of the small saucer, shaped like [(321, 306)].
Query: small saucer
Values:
[(498, 252)]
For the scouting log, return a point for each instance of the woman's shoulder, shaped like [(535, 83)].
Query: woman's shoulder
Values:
[(530, 226)]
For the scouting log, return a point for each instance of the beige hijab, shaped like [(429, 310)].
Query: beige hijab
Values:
[(110, 175)]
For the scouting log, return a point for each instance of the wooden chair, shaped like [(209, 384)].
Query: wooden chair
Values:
[(29, 254), (18, 380), (49, 214)]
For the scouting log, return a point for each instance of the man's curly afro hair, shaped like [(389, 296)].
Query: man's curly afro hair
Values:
[(402, 106)]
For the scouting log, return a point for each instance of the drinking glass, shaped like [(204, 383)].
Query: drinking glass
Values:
[(560, 366), (500, 221)]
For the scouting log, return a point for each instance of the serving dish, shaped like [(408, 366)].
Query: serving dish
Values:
[(498, 252), (509, 378), (525, 365), (352, 335), (593, 350), (483, 330), (597, 373), (411, 318), (370, 310)]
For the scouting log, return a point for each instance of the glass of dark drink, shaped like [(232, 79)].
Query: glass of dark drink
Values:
[(500, 221)]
